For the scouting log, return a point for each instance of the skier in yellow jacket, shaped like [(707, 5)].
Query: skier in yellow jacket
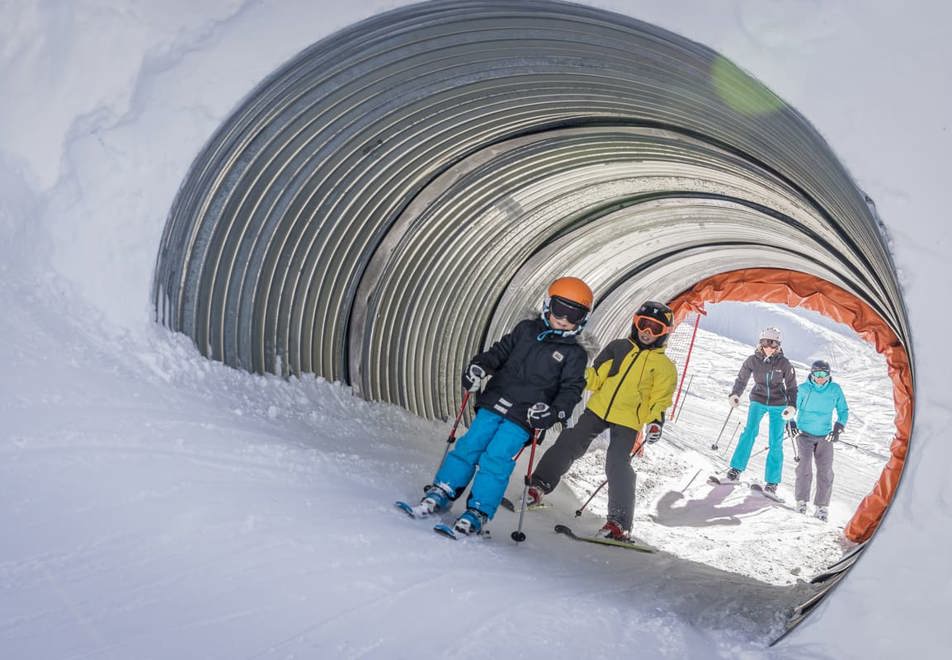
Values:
[(632, 381)]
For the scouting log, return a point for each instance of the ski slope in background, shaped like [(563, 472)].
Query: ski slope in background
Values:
[(157, 505)]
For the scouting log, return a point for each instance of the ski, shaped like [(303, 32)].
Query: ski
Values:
[(448, 531), (506, 503), (758, 488), (445, 530), (630, 545), (721, 481), (416, 512)]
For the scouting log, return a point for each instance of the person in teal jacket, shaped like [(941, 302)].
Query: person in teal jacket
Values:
[(817, 398)]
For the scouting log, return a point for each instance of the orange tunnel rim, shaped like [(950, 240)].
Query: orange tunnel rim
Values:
[(798, 289)]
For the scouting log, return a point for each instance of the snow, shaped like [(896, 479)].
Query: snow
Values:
[(157, 505)]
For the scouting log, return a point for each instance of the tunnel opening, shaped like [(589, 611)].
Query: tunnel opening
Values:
[(398, 194)]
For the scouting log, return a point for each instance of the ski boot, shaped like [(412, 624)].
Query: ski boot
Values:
[(471, 522), (732, 475), (534, 496), (612, 530), (437, 498), (801, 506), (821, 513), (770, 488)]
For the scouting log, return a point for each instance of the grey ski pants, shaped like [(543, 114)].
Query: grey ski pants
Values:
[(812, 449), (572, 445)]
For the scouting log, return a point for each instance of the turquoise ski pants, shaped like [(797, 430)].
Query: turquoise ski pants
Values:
[(773, 471), (492, 443)]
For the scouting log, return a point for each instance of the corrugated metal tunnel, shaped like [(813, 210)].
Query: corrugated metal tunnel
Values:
[(398, 192)]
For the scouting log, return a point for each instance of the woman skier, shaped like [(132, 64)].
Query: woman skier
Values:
[(774, 394), (817, 398)]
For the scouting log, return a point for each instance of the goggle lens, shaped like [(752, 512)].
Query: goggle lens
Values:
[(770, 343), (821, 374), (563, 309), (650, 325)]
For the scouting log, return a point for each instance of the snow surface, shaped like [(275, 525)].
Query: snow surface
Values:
[(157, 505)]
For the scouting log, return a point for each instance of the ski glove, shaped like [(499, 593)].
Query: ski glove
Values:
[(653, 432), (792, 427), (473, 377), (788, 413), (542, 416), (837, 429), (734, 400)]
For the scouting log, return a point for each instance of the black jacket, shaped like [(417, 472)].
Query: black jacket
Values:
[(775, 381), (526, 370)]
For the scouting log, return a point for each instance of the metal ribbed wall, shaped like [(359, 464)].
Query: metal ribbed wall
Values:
[(399, 192)]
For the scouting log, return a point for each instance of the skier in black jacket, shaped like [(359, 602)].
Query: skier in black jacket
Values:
[(774, 394), (536, 375)]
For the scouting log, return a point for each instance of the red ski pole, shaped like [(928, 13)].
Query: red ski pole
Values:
[(519, 536), (452, 437)]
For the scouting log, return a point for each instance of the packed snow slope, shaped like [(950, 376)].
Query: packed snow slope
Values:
[(157, 505), (166, 506)]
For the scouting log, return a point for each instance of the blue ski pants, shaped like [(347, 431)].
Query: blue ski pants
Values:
[(491, 443), (773, 471)]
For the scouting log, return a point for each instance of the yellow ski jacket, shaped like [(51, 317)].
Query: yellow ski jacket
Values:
[(631, 386)]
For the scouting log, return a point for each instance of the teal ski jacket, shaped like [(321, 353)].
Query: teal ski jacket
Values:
[(815, 406)]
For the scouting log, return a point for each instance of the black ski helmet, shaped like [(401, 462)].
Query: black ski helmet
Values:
[(659, 312), (820, 365)]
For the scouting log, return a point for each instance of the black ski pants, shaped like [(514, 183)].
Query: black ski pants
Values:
[(572, 445)]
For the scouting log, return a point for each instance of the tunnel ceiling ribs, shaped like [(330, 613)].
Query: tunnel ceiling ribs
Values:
[(398, 193)]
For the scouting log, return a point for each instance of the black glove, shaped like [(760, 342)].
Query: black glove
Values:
[(792, 427), (473, 376), (542, 416), (653, 431), (837, 429)]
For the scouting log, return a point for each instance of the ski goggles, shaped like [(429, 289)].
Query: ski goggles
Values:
[(650, 325), (820, 374), (563, 309), (770, 343)]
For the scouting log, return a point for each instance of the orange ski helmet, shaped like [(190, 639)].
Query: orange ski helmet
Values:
[(573, 290), (568, 298)]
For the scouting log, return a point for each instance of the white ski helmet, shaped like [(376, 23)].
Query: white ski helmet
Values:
[(770, 333)]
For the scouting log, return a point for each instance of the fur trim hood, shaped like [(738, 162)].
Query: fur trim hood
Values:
[(585, 339)]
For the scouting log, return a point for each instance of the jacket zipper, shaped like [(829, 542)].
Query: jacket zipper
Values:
[(620, 382)]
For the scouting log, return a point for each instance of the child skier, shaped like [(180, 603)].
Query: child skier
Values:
[(632, 381), (774, 394), (817, 398), (536, 374)]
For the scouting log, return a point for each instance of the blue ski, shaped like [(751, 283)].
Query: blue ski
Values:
[(418, 511), (445, 530)]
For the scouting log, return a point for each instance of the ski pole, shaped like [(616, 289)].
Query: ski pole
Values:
[(519, 536), (687, 390), (850, 444), (793, 442), (690, 482), (714, 446), (731, 441), (452, 437), (634, 452)]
